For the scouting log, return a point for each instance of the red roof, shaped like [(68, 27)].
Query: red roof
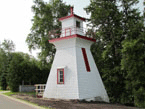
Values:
[(68, 37), (72, 15)]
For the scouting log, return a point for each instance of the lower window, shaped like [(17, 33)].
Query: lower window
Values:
[(60, 76)]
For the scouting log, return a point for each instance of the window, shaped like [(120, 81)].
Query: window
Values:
[(60, 76), (78, 24)]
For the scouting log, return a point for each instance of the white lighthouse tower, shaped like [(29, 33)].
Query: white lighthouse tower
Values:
[(74, 74)]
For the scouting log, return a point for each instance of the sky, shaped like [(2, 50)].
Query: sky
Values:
[(16, 15)]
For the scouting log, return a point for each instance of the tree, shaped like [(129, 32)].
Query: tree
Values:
[(15, 75), (3, 82), (18, 68), (120, 46), (45, 20), (24, 70), (133, 52), (3, 69), (106, 18), (6, 48), (8, 45)]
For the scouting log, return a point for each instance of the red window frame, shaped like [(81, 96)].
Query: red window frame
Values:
[(58, 76), (86, 60)]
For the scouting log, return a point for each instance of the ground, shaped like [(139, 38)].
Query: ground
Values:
[(73, 104)]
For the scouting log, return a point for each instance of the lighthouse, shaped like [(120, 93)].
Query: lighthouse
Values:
[(74, 74)]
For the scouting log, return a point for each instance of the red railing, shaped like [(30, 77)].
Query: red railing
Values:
[(68, 31)]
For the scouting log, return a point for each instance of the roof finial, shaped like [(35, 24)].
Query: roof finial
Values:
[(72, 9)]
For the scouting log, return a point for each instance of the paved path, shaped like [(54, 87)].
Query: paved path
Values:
[(11, 103)]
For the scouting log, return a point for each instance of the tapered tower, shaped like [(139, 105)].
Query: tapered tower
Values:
[(74, 74)]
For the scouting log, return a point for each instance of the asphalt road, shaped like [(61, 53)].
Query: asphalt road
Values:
[(7, 103)]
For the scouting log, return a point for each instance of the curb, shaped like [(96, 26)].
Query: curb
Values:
[(21, 101)]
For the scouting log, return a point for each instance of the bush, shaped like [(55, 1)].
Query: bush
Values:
[(3, 82), (140, 97)]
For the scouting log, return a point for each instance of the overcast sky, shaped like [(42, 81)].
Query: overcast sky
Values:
[(16, 15)]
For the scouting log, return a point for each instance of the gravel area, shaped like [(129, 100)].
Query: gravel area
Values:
[(72, 104)]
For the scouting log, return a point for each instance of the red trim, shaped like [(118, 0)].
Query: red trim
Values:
[(57, 76), (86, 59), (72, 15), (63, 76), (39, 96), (73, 36)]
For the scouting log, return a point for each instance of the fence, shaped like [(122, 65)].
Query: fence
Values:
[(39, 88), (26, 88)]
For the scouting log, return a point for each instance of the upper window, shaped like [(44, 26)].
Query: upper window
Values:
[(60, 76), (78, 24)]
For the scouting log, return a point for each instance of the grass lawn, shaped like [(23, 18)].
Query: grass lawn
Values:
[(3, 90), (27, 93), (10, 93)]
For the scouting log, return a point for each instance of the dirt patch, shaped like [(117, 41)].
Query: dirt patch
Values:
[(73, 104)]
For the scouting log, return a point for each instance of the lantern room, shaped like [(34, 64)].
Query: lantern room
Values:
[(72, 24)]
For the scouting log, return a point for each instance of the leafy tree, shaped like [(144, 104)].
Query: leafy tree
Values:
[(8, 45), (15, 75), (17, 68), (119, 31), (133, 52), (2, 60), (34, 73), (45, 20), (24, 69), (6, 48), (106, 18), (3, 82)]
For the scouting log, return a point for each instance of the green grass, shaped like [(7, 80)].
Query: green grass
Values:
[(10, 93), (27, 93), (3, 90)]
